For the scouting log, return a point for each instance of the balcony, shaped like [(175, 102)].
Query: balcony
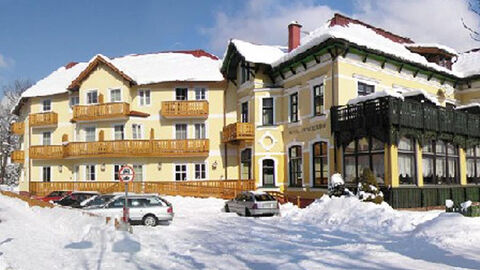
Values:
[(387, 116), (18, 128), (124, 148), (46, 152), (18, 156), (45, 119), (101, 111), (185, 108), (236, 132)]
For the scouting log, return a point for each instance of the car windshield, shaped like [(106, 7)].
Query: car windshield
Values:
[(99, 200), (263, 198)]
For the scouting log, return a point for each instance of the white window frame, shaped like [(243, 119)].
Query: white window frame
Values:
[(289, 97), (195, 130), (175, 131), (195, 171), (86, 96), (175, 171), (114, 132), (85, 133), (70, 104), (50, 172), (110, 94), (143, 98), (49, 139), (113, 172), (287, 152), (260, 165), (310, 147), (134, 130), (200, 87), (261, 111), (182, 87), (87, 173), (76, 169), (143, 171), (312, 83), (50, 105)]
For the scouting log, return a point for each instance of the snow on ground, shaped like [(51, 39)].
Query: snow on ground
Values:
[(329, 234)]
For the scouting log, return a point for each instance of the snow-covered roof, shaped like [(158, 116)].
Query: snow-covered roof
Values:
[(255, 53), (362, 36), (375, 95), (427, 95), (433, 45), (468, 63), (467, 106)]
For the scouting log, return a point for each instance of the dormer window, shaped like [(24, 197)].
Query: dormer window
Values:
[(245, 71)]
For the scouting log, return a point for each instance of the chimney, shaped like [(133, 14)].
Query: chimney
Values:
[(293, 35)]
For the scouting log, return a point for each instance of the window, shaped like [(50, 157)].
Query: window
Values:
[(181, 131), (90, 134), (116, 170), (246, 164), (406, 161), (473, 165), (180, 172), (76, 169), (244, 115), (90, 172), (200, 93), (294, 108), (295, 165), (200, 171), (46, 174), (92, 97), (365, 89), (47, 138), (47, 105), (119, 132), (144, 97), (440, 163), (137, 131), (320, 164), (74, 100), (200, 131), (267, 111), (245, 71), (181, 93), (318, 92), (268, 172), (115, 95), (138, 169), (363, 153)]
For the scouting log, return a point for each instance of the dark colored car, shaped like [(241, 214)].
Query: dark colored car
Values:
[(75, 198), (55, 195), (96, 200)]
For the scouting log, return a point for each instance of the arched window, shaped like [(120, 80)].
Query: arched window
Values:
[(268, 172), (320, 164), (363, 153), (295, 165), (246, 164), (440, 163), (473, 165), (406, 161)]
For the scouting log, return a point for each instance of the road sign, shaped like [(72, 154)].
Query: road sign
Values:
[(126, 174)]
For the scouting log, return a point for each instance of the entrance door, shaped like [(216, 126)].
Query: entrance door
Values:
[(268, 171)]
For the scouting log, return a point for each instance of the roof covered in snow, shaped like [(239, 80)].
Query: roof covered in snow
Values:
[(433, 45), (468, 63), (255, 53)]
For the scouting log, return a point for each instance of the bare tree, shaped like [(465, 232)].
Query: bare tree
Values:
[(473, 5), (8, 141)]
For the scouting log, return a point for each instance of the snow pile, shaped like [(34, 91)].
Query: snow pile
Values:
[(258, 53), (449, 203), (336, 180), (375, 95)]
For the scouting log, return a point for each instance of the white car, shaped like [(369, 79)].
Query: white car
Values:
[(150, 209)]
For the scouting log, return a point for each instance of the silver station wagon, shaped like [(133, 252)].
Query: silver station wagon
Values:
[(253, 203)]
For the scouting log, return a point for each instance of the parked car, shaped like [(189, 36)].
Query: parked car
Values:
[(55, 195), (149, 209), (96, 201), (75, 198), (253, 203)]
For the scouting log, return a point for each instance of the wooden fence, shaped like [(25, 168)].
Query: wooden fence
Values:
[(225, 189)]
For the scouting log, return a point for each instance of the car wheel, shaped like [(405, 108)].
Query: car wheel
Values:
[(247, 212), (227, 210), (150, 220)]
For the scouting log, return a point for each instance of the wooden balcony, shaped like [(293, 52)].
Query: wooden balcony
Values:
[(236, 132), (18, 156), (124, 148), (46, 152), (18, 128), (44, 119), (101, 111), (185, 108)]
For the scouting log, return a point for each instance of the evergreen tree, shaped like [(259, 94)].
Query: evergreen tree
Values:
[(368, 190)]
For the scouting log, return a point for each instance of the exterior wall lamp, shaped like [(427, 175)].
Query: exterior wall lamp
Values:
[(214, 165), (102, 167)]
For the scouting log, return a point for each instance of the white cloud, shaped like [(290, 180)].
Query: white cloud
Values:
[(437, 21), (5, 62), (265, 21)]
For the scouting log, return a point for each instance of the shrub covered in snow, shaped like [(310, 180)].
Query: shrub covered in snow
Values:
[(368, 190), (337, 186)]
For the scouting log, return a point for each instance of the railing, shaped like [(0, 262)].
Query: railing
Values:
[(238, 131), (100, 111), (43, 119), (46, 152), (225, 189), (18, 128), (388, 111), (185, 108), (18, 156), (123, 148)]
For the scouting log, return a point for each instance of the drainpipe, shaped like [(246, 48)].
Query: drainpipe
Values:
[(334, 59), (225, 149)]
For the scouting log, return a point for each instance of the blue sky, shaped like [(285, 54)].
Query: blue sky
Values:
[(36, 37)]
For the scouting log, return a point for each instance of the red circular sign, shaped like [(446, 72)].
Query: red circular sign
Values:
[(126, 174)]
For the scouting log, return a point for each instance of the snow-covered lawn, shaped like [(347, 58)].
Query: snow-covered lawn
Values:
[(330, 234)]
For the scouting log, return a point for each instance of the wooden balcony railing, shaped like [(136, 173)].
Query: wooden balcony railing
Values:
[(101, 111), (236, 132), (46, 152), (18, 128), (225, 189), (18, 156), (124, 148), (185, 108), (43, 119)]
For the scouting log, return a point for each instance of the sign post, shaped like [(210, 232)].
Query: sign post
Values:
[(126, 175)]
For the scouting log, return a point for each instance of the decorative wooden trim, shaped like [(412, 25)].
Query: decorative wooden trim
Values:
[(236, 132), (103, 111), (18, 128), (43, 119), (185, 108), (18, 156)]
